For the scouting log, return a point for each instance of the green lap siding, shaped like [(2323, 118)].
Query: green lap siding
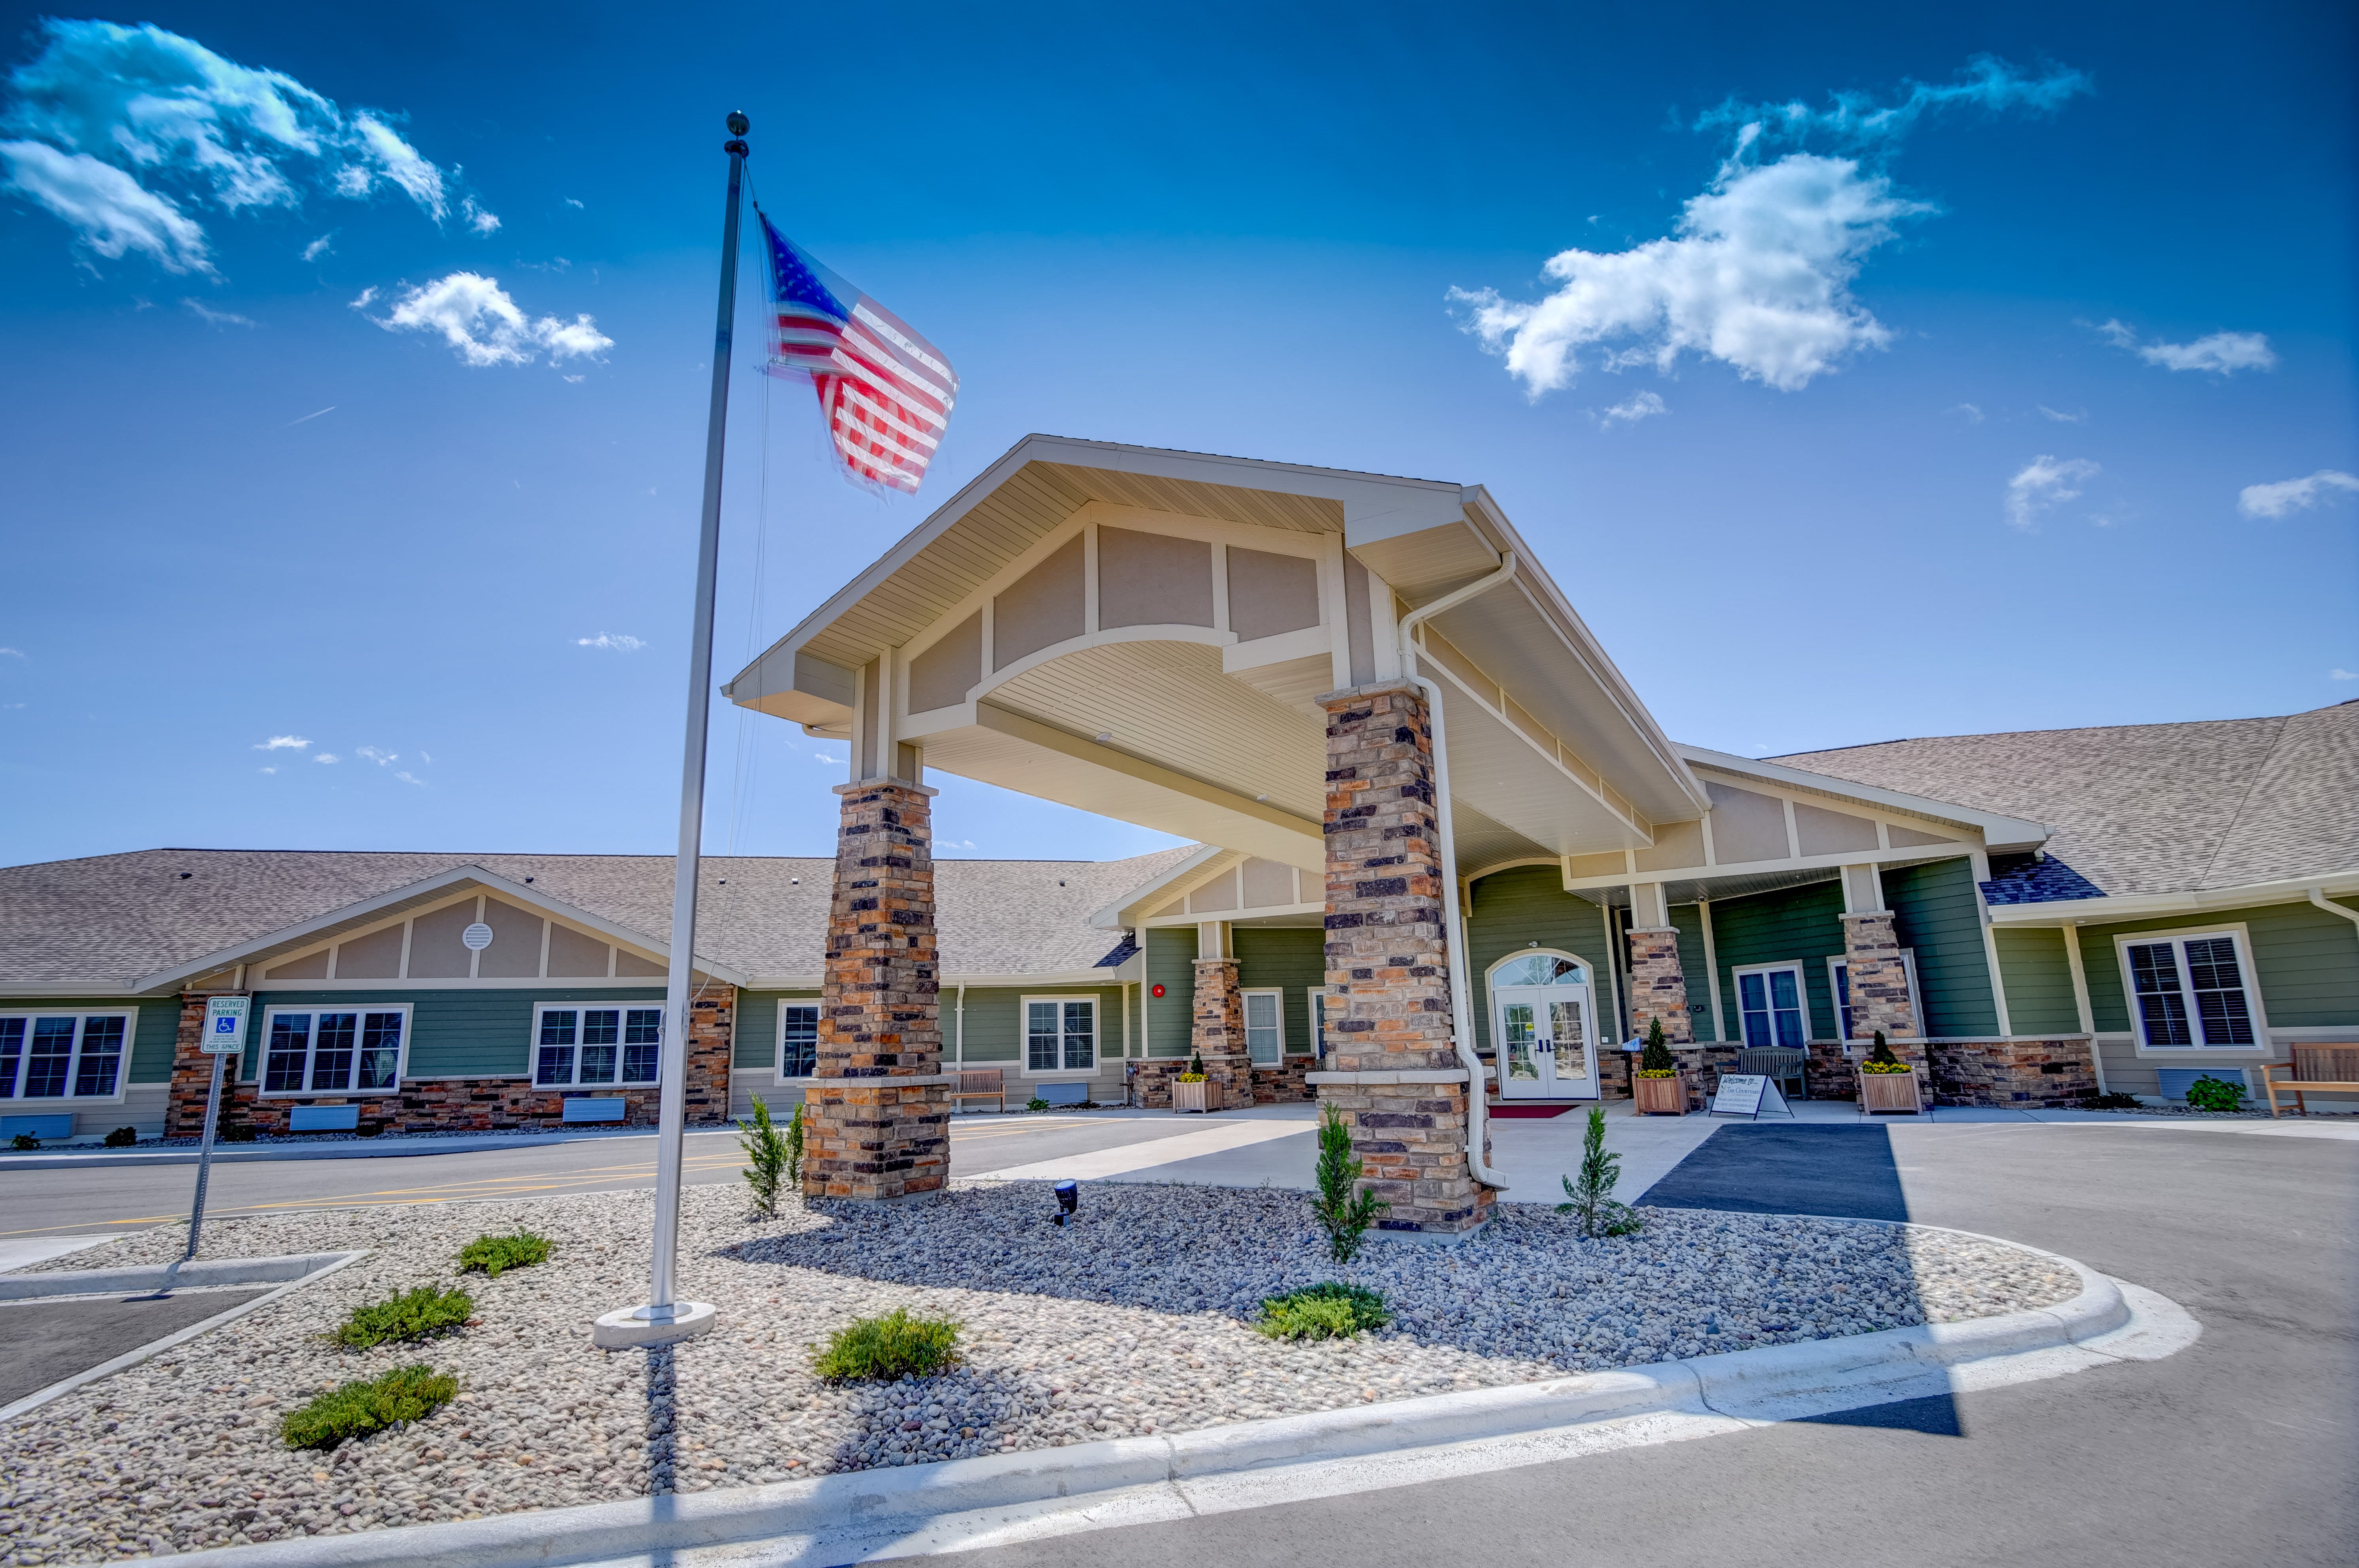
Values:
[(2306, 961), (2038, 982), (1937, 915), (757, 1025), (1798, 924), (1689, 922), (1514, 909), (452, 1034), (1172, 963), (994, 1024), (155, 1030), (1291, 959)]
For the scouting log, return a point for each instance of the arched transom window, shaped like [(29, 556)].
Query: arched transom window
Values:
[(1540, 969)]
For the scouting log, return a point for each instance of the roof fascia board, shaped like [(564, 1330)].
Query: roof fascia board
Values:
[(2119, 908), (1998, 832), (1581, 641), (1111, 917), (515, 891)]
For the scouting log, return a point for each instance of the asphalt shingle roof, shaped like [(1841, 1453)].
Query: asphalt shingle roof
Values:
[(112, 918), (2151, 808)]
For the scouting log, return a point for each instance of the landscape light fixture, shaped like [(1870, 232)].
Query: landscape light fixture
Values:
[(1069, 1198)]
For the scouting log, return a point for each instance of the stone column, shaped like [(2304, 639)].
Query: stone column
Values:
[(879, 1126), (1396, 1077), (192, 1071), (1216, 1030), (711, 1036), (1879, 981), (1658, 987)]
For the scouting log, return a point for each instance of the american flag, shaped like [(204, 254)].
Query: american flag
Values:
[(886, 391)]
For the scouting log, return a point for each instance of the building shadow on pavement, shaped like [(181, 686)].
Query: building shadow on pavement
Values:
[(1841, 1172)]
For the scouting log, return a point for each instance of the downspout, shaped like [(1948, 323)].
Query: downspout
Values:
[(2318, 896), (1462, 1010)]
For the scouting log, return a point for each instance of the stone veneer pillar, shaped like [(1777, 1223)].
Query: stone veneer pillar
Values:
[(1658, 987), (193, 1068), (1216, 1030), (878, 1123), (1395, 1077), (1879, 981)]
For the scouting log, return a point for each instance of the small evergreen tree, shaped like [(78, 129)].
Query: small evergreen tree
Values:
[(774, 1157), (1657, 1057), (1343, 1214), (1880, 1055), (1591, 1199), (1196, 1062)]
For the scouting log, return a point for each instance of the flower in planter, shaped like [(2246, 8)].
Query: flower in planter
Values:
[(1881, 1060), (1191, 1077), (1655, 1061)]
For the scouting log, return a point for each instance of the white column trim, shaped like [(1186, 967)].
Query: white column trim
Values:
[(2088, 1015), (1979, 860), (1711, 971)]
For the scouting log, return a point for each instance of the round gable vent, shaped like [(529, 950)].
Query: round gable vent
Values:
[(477, 936)]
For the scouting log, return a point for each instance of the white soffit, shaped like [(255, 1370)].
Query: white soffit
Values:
[(1999, 833)]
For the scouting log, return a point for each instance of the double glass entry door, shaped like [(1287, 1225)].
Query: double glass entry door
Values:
[(1547, 1050)]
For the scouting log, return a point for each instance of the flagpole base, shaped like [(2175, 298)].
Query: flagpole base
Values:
[(635, 1327)]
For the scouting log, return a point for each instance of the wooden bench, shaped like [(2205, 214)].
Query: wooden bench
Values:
[(981, 1084), (2331, 1069)]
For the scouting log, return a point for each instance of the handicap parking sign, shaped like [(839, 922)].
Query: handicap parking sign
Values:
[(225, 1023)]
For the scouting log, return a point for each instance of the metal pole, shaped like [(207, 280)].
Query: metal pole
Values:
[(673, 1118), (204, 1160)]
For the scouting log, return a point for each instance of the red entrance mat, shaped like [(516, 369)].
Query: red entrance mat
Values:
[(1513, 1113)]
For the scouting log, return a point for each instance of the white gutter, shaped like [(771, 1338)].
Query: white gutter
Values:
[(1462, 1009), (2318, 896)]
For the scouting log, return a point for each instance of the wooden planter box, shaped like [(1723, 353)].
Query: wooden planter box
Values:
[(1660, 1096), (1889, 1091), (1205, 1096)]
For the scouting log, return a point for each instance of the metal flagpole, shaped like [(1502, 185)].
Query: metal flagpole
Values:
[(665, 1319)]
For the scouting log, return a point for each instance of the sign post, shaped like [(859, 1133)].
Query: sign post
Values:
[(224, 1037)]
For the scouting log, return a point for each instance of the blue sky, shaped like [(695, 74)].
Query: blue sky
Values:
[(2015, 398)]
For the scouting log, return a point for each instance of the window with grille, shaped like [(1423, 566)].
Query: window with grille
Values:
[(1265, 1026), (1771, 1003), (330, 1051), (798, 1041), (1061, 1034), (2190, 991), (591, 1046), (56, 1056)]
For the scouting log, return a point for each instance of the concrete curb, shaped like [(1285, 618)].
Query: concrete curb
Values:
[(252, 1271), (343, 1149), (157, 1276), (858, 1512)]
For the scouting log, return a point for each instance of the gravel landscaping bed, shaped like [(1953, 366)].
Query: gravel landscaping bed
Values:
[(1136, 1319)]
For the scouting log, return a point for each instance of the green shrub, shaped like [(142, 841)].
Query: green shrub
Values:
[(1328, 1311), (356, 1410), (895, 1345), (1657, 1057), (123, 1137), (2209, 1093), (1036, 1104), (491, 1254), (1880, 1058), (774, 1156), (2111, 1101), (25, 1140), (1343, 1214), (1591, 1200), (416, 1314)]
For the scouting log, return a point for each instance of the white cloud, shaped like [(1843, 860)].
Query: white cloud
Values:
[(483, 222), (318, 248), (477, 318), (572, 203), (2338, 674), (427, 757), (282, 743), (174, 125), (327, 756), (1645, 406), (2292, 495), (2222, 354), (1758, 276), (367, 298), (1987, 83), (828, 761), (2045, 482), (12, 652), (1972, 412), (265, 770), (109, 212), (309, 418), (382, 759), (408, 778), (2060, 417), (217, 318), (615, 642)]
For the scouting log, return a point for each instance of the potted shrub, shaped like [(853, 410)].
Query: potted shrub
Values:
[(1657, 1084), (1193, 1091), (1886, 1082)]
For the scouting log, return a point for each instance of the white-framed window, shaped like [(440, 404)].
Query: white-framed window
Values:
[(333, 1051), (798, 1039), (1317, 997), (1772, 1009), (1061, 1034), (1839, 987), (1264, 1026), (2191, 989), (64, 1056), (597, 1044)]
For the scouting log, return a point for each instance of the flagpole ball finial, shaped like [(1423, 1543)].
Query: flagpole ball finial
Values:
[(738, 124)]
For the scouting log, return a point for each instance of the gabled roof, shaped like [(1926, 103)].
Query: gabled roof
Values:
[(2140, 809), (109, 921)]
